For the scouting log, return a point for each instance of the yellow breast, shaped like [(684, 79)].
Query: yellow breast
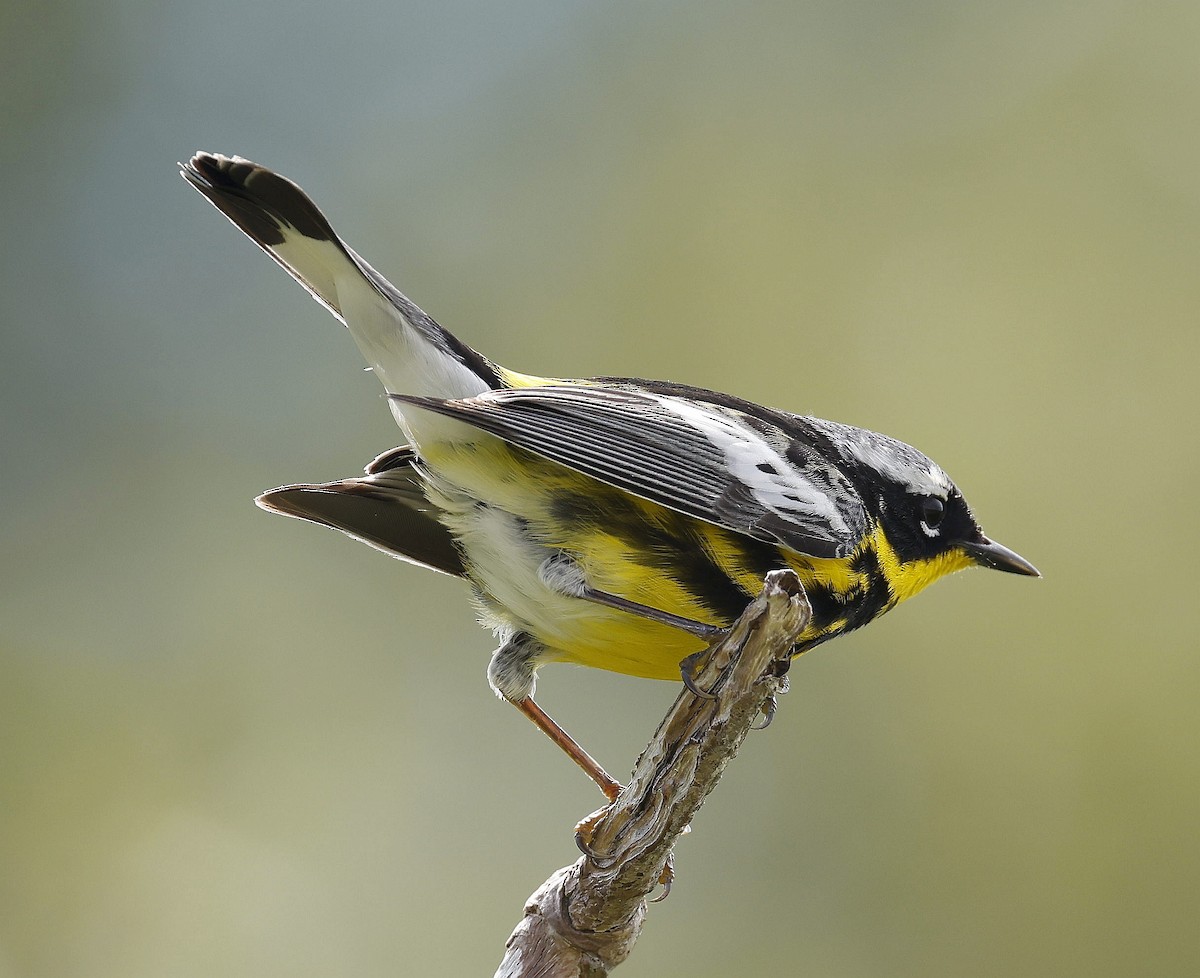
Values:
[(627, 546)]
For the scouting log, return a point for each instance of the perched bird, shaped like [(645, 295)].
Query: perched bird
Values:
[(609, 522)]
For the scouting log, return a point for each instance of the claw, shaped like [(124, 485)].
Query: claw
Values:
[(585, 829), (771, 703), (666, 879), (688, 669), (768, 711)]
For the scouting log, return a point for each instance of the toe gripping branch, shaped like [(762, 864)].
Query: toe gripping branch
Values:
[(733, 684), (597, 906)]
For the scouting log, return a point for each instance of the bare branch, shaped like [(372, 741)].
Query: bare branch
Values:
[(583, 921)]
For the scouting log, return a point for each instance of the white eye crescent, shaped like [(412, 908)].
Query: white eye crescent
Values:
[(932, 511)]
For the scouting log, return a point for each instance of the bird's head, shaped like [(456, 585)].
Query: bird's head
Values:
[(924, 528)]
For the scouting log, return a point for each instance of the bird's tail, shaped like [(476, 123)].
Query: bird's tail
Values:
[(409, 352)]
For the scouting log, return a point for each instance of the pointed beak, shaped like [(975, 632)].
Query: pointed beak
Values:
[(988, 553)]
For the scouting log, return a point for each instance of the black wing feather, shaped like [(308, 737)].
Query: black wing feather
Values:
[(759, 475)]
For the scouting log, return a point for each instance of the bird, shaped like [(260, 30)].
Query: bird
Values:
[(609, 522)]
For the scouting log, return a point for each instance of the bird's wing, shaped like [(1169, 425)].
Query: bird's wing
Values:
[(756, 473), (386, 509)]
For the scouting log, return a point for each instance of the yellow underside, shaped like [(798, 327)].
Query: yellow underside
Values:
[(628, 644), (579, 631)]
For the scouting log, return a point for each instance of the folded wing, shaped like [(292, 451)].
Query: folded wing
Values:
[(757, 474)]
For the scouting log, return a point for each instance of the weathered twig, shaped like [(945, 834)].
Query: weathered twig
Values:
[(583, 921)]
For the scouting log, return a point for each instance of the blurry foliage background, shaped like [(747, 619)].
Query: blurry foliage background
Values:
[(234, 744)]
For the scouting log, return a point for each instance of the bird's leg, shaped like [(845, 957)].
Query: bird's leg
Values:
[(708, 633), (511, 675), (569, 746), (563, 574)]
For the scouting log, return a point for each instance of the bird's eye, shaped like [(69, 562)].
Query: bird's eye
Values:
[(932, 511)]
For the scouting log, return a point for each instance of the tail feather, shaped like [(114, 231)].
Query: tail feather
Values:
[(386, 509), (407, 349)]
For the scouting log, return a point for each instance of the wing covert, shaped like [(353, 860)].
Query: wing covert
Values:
[(712, 461)]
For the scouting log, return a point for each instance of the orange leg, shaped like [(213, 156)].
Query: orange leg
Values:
[(569, 746)]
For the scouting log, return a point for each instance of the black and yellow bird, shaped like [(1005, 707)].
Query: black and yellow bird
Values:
[(608, 522)]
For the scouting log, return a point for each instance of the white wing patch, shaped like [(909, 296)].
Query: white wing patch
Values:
[(770, 478), (755, 475)]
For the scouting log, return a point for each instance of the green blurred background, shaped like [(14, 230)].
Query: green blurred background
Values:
[(234, 744)]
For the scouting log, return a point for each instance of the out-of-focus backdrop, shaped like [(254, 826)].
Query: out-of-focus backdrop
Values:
[(234, 744)]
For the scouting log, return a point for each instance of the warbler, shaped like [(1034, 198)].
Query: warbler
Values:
[(608, 522)]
